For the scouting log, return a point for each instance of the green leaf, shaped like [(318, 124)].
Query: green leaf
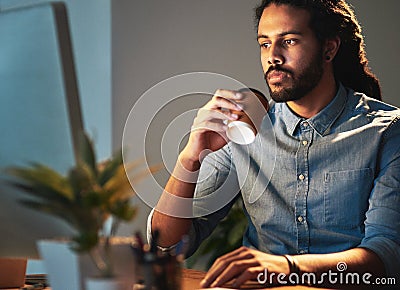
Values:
[(81, 180), (110, 168), (123, 210), (60, 211), (235, 235), (93, 199), (119, 185), (85, 241), (87, 154), (41, 178), (43, 193)]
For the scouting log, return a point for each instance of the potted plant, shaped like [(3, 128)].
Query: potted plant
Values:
[(85, 198)]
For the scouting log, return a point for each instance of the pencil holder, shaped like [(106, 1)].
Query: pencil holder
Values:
[(162, 272)]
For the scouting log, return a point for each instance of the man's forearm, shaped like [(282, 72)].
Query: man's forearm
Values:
[(181, 184), (357, 261), (321, 270)]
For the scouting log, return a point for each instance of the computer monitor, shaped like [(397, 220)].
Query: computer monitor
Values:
[(40, 115)]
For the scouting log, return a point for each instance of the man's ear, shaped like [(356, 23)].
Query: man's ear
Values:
[(331, 47)]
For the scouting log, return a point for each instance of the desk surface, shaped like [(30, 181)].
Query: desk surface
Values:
[(191, 281)]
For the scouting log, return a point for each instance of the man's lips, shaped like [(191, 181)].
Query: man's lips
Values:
[(276, 76)]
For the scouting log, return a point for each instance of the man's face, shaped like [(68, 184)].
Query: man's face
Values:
[(291, 55)]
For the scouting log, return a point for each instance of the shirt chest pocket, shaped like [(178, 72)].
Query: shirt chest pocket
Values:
[(346, 196)]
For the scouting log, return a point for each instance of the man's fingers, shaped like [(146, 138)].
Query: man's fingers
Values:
[(225, 99), (206, 114), (233, 270), (230, 94), (238, 254), (210, 126), (218, 102), (234, 259), (250, 273), (215, 113)]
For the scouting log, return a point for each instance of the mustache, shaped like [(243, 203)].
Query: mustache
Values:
[(276, 68)]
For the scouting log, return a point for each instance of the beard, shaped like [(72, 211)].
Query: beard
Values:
[(303, 83)]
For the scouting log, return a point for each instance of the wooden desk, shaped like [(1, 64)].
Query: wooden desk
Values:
[(191, 281)]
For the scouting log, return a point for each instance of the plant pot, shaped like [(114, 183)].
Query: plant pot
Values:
[(107, 284), (68, 270), (64, 267)]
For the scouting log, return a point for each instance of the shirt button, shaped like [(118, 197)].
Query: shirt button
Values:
[(302, 252), (305, 124), (305, 142), (301, 177), (300, 219)]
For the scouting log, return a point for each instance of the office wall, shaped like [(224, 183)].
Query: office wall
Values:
[(90, 22), (381, 23), (153, 40)]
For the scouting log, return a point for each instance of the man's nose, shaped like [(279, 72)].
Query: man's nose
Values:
[(275, 55)]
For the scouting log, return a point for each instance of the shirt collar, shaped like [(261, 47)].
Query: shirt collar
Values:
[(323, 120)]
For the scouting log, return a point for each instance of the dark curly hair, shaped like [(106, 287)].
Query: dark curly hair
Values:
[(331, 18)]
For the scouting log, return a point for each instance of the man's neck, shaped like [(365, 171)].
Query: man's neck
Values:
[(312, 103)]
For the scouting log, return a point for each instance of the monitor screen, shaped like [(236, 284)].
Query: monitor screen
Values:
[(40, 115)]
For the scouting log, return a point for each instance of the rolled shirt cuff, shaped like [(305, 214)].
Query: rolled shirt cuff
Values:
[(388, 251), (149, 234)]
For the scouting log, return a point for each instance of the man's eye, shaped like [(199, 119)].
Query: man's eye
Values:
[(265, 45), (289, 42)]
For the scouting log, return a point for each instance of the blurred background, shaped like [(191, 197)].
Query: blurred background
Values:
[(124, 47)]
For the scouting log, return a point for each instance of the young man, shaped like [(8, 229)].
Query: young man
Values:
[(329, 173)]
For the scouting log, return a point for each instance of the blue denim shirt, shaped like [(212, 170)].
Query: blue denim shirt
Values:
[(321, 185)]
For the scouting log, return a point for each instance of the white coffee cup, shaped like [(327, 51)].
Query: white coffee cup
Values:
[(240, 132), (243, 131)]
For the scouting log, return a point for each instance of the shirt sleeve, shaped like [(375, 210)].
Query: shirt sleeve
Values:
[(149, 234), (215, 193), (382, 225)]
